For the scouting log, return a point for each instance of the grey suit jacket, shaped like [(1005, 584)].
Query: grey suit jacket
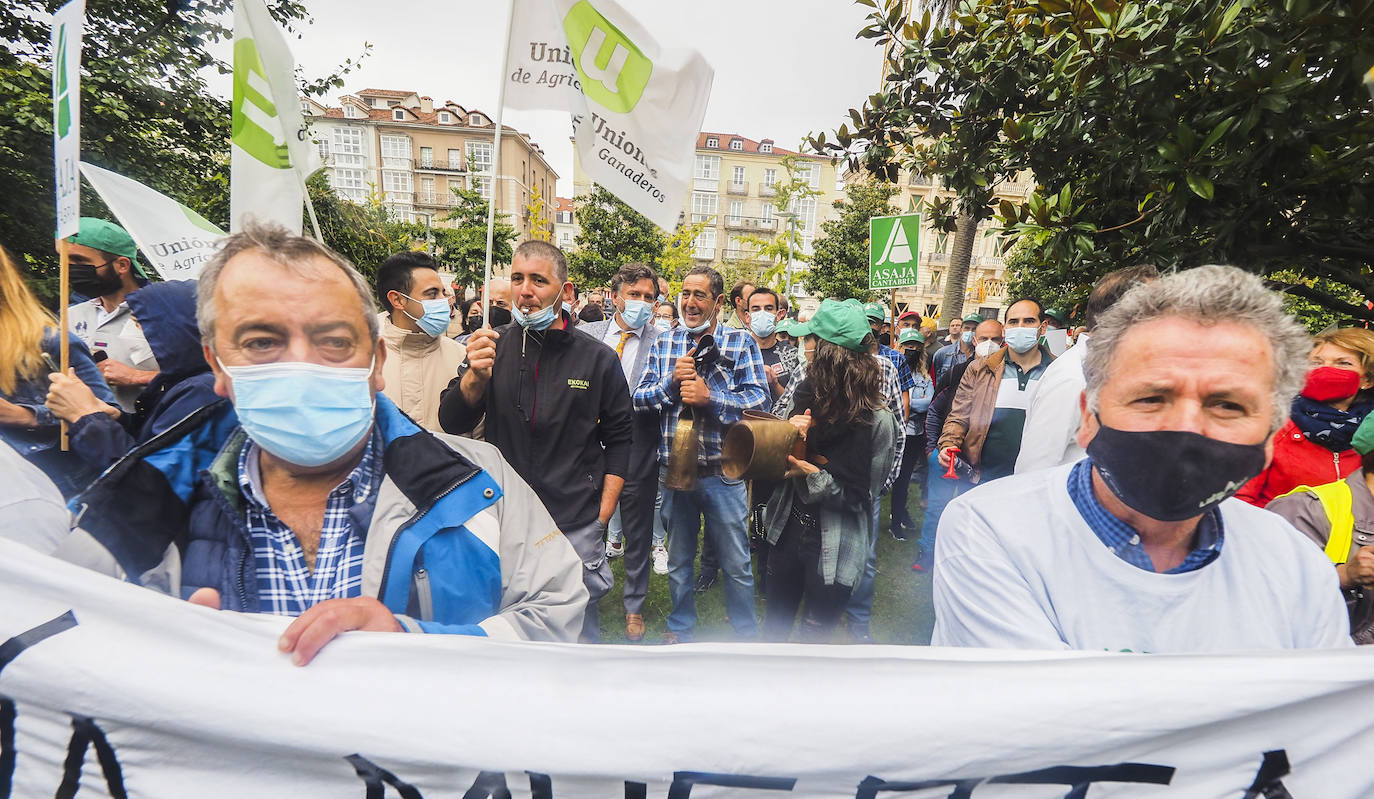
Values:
[(644, 453)]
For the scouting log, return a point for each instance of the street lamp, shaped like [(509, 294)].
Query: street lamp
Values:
[(791, 217), (429, 241)]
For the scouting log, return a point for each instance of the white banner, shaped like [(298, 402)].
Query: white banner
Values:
[(167, 699), (636, 108), (176, 240), (271, 154), (67, 26)]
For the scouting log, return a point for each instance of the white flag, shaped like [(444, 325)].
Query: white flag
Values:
[(67, 24), (176, 240), (271, 153), (636, 108)]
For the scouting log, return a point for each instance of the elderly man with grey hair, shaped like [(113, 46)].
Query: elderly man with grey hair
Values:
[(1139, 546), (306, 493)]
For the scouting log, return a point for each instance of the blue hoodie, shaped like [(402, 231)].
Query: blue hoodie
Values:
[(166, 312)]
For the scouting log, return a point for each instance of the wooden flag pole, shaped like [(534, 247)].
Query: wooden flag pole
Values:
[(63, 297), (496, 166)]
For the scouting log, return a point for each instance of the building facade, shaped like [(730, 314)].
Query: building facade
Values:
[(564, 229), (733, 191), (411, 153)]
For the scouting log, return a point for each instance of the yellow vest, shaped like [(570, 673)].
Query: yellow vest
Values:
[(1337, 502)]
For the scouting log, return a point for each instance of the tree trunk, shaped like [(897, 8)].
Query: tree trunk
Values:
[(956, 275)]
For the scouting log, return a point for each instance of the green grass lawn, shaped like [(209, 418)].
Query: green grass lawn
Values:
[(902, 611)]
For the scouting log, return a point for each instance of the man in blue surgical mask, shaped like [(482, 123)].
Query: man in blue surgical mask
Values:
[(959, 350), (556, 404), (423, 358), (306, 493)]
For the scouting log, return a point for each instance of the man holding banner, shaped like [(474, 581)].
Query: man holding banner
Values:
[(309, 494), (1139, 546)]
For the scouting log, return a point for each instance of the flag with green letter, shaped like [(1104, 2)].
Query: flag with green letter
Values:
[(176, 240), (67, 24), (271, 154), (636, 107)]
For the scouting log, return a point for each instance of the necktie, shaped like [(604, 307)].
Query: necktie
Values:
[(620, 348)]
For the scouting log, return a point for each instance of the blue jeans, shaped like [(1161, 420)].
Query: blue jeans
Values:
[(859, 611), (725, 506), (939, 493)]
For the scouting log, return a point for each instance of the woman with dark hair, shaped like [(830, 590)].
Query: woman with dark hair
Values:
[(820, 520)]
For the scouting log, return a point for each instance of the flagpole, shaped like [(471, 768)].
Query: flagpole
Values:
[(63, 297), (496, 165), (309, 206)]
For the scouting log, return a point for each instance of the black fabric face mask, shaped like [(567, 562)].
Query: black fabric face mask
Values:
[(90, 281), (1172, 475)]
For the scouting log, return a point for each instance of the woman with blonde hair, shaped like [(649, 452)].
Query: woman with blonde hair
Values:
[(28, 333), (1313, 447)]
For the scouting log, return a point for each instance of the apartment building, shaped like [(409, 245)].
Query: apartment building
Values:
[(563, 228), (733, 190), (409, 151)]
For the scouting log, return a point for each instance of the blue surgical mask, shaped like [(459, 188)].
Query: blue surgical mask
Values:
[(435, 319), (539, 320), (967, 337), (304, 413), (705, 322), (636, 313), (663, 324), (763, 324), (1022, 339), (567, 307)]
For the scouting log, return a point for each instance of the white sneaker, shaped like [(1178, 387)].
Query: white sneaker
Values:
[(660, 559), (615, 549)]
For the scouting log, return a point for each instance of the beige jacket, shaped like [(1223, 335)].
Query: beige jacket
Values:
[(417, 370)]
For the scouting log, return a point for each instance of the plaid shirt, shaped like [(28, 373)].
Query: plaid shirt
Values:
[(892, 395), (286, 587), (737, 382), (905, 379), (1124, 542)]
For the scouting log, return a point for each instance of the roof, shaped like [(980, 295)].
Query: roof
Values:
[(563, 204), (398, 94), (749, 145)]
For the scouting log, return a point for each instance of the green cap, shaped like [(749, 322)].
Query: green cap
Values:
[(910, 336), (1363, 440), (973, 317), (106, 237), (875, 311), (841, 323), (1057, 315)]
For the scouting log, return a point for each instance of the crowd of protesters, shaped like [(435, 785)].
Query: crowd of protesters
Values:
[(1187, 472)]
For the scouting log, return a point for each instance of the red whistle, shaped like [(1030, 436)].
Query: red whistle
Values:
[(950, 473)]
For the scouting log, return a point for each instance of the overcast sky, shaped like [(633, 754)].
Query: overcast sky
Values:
[(783, 68)]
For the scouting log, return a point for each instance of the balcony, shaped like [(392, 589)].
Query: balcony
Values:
[(738, 188), (436, 200), (750, 223), (741, 255), (768, 190), (439, 166), (704, 253), (935, 258), (400, 198)]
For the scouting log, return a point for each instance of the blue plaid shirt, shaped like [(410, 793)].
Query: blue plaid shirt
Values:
[(905, 379), (738, 383), (1124, 542), (286, 587)]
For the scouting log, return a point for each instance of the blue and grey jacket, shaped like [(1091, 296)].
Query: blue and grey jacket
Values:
[(456, 541)]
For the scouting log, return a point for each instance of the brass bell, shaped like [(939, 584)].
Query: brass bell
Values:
[(757, 446)]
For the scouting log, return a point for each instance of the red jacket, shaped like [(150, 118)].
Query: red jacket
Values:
[(1297, 461)]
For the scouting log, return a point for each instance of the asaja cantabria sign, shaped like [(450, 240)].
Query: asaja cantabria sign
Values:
[(893, 250)]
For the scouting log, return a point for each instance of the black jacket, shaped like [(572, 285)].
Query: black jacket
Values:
[(559, 410)]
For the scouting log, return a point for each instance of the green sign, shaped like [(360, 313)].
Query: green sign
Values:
[(892, 251), (613, 70)]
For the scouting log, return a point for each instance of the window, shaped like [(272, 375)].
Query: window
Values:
[(396, 152), (398, 115), (322, 147), (445, 118), (350, 112), (476, 120), (348, 146), (427, 190), (766, 147), (737, 176), (767, 216), (706, 244), (394, 180), (479, 156), (350, 179), (481, 185), (806, 214), (455, 159), (713, 142), (770, 177), (306, 109), (736, 211), (426, 156), (704, 205), (736, 145), (810, 175), (708, 167)]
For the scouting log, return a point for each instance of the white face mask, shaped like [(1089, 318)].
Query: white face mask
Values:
[(986, 348)]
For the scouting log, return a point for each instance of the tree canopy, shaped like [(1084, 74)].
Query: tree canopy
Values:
[(839, 267), (1169, 131), (610, 234)]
